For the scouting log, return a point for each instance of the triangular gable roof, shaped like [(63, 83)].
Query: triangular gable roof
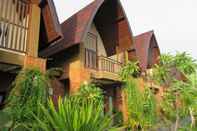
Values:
[(76, 27), (142, 44)]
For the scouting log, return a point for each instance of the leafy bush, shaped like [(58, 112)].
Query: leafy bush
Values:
[(131, 69), (90, 92), (141, 105), (180, 102), (161, 75), (29, 91), (185, 63)]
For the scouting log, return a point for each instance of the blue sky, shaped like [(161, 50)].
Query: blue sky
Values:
[(174, 21)]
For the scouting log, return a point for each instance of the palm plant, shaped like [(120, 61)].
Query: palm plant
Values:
[(161, 74), (179, 99), (166, 59), (74, 114), (131, 69), (179, 103), (185, 63)]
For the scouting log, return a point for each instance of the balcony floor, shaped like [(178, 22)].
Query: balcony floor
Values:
[(104, 77), (11, 57)]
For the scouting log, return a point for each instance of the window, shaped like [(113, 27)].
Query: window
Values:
[(91, 51)]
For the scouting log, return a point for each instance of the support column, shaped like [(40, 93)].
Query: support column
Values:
[(34, 29), (31, 58), (124, 106), (33, 62), (121, 103)]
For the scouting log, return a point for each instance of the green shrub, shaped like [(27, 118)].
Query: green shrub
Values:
[(90, 92), (29, 90), (141, 105), (131, 69), (73, 114)]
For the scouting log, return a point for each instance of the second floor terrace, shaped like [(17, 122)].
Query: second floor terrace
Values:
[(95, 57), (20, 25), (14, 25)]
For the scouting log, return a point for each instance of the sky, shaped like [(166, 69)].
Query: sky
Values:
[(173, 21)]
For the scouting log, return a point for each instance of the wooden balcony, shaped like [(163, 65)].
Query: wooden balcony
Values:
[(14, 24), (104, 68), (19, 32), (106, 64)]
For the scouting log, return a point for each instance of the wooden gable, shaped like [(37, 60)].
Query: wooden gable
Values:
[(111, 23), (50, 29)]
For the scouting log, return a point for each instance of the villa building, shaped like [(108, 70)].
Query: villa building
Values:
[(145, 50), (94, 49)]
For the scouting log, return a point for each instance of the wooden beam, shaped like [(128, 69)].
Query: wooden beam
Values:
[(11, 57), (34, 30), (35, 1)]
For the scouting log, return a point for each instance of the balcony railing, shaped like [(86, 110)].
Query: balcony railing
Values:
[(101, 63), (108, 65), (14, 22)]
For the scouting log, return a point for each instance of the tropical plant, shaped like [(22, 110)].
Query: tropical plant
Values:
[(74, 114), (130, 69), (29, 90), (135, 106), (149, 106), (179, 99), (185, 63), (5, 121), (161, 74), (141, 105), (179, 103), (90, 92), (166, 60)]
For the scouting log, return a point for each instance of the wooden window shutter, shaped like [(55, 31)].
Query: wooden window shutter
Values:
[(52, 28)]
